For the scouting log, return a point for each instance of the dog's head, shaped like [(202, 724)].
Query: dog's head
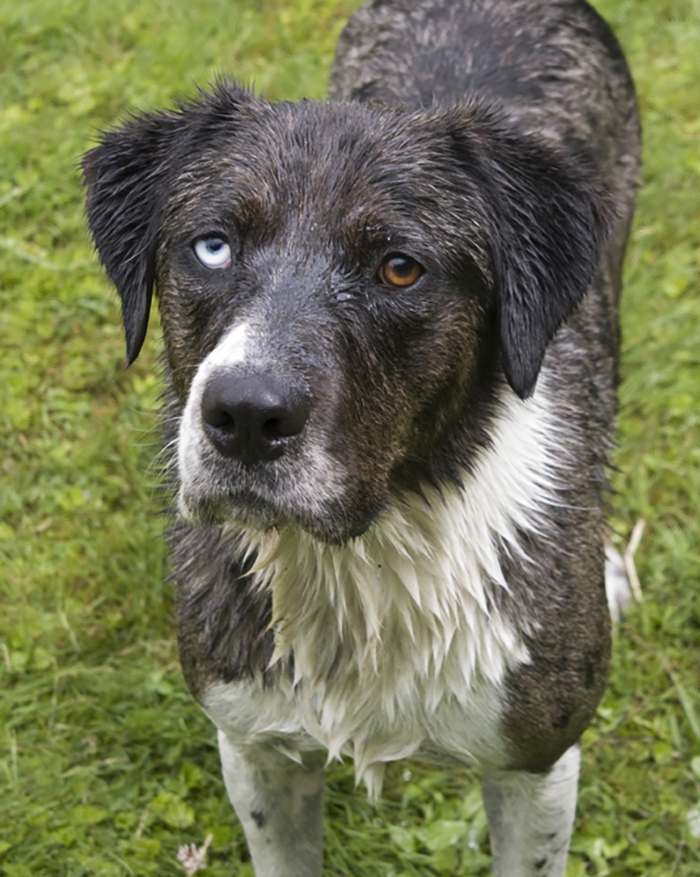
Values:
[(334, 282)]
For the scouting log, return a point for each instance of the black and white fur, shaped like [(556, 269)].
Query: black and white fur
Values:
[(389, 536)]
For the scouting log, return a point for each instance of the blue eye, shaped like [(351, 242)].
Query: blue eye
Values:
[(213, 252)]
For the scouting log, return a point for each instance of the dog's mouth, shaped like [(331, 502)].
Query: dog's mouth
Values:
[(309, 492), (247, 509), (244, 506)]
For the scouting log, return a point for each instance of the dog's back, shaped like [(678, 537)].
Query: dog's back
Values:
[(391, 339)]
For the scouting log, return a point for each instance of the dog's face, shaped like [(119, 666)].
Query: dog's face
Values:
[(337, 285)]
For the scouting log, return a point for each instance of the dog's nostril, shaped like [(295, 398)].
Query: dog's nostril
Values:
[(272, 429), (218, 418), (252, 418)]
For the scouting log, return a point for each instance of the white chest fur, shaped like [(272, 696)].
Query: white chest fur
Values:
[(396, 648)]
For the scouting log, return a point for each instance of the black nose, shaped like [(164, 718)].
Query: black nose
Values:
[(252, 418)]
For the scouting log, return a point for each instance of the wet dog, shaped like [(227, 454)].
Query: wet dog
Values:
[(391, 335)]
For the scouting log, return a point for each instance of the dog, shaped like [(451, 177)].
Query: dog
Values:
[(390, 326)]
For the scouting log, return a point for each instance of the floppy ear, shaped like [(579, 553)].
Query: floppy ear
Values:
[(127, 178), (547, 220)]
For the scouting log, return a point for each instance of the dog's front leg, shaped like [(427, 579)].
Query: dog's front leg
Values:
[(279, 804), (531, 817)]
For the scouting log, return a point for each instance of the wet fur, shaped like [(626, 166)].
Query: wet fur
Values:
[(462, 424)]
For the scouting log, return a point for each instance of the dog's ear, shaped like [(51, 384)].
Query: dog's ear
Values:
[(547, 220), (127, 178)]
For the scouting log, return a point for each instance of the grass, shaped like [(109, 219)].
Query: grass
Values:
[(106, 764)]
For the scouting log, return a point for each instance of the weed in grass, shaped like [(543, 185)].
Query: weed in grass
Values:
[(106, 765)]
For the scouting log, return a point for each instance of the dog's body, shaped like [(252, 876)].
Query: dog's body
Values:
[(391, 334)]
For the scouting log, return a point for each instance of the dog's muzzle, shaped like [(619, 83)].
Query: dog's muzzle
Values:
[(252, 418)]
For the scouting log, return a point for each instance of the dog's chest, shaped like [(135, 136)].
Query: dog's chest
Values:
[(382, 667), (396, 641)]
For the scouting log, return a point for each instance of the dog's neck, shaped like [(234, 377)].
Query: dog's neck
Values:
[(404, 617)]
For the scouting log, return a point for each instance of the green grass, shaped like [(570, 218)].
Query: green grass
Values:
[(106, 764)]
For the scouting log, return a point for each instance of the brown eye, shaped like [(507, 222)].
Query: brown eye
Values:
[(398, 270)]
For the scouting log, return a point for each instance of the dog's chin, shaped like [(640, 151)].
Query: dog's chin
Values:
[(330, 523)]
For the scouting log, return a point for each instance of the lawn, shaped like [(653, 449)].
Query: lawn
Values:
[(106, 764)]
